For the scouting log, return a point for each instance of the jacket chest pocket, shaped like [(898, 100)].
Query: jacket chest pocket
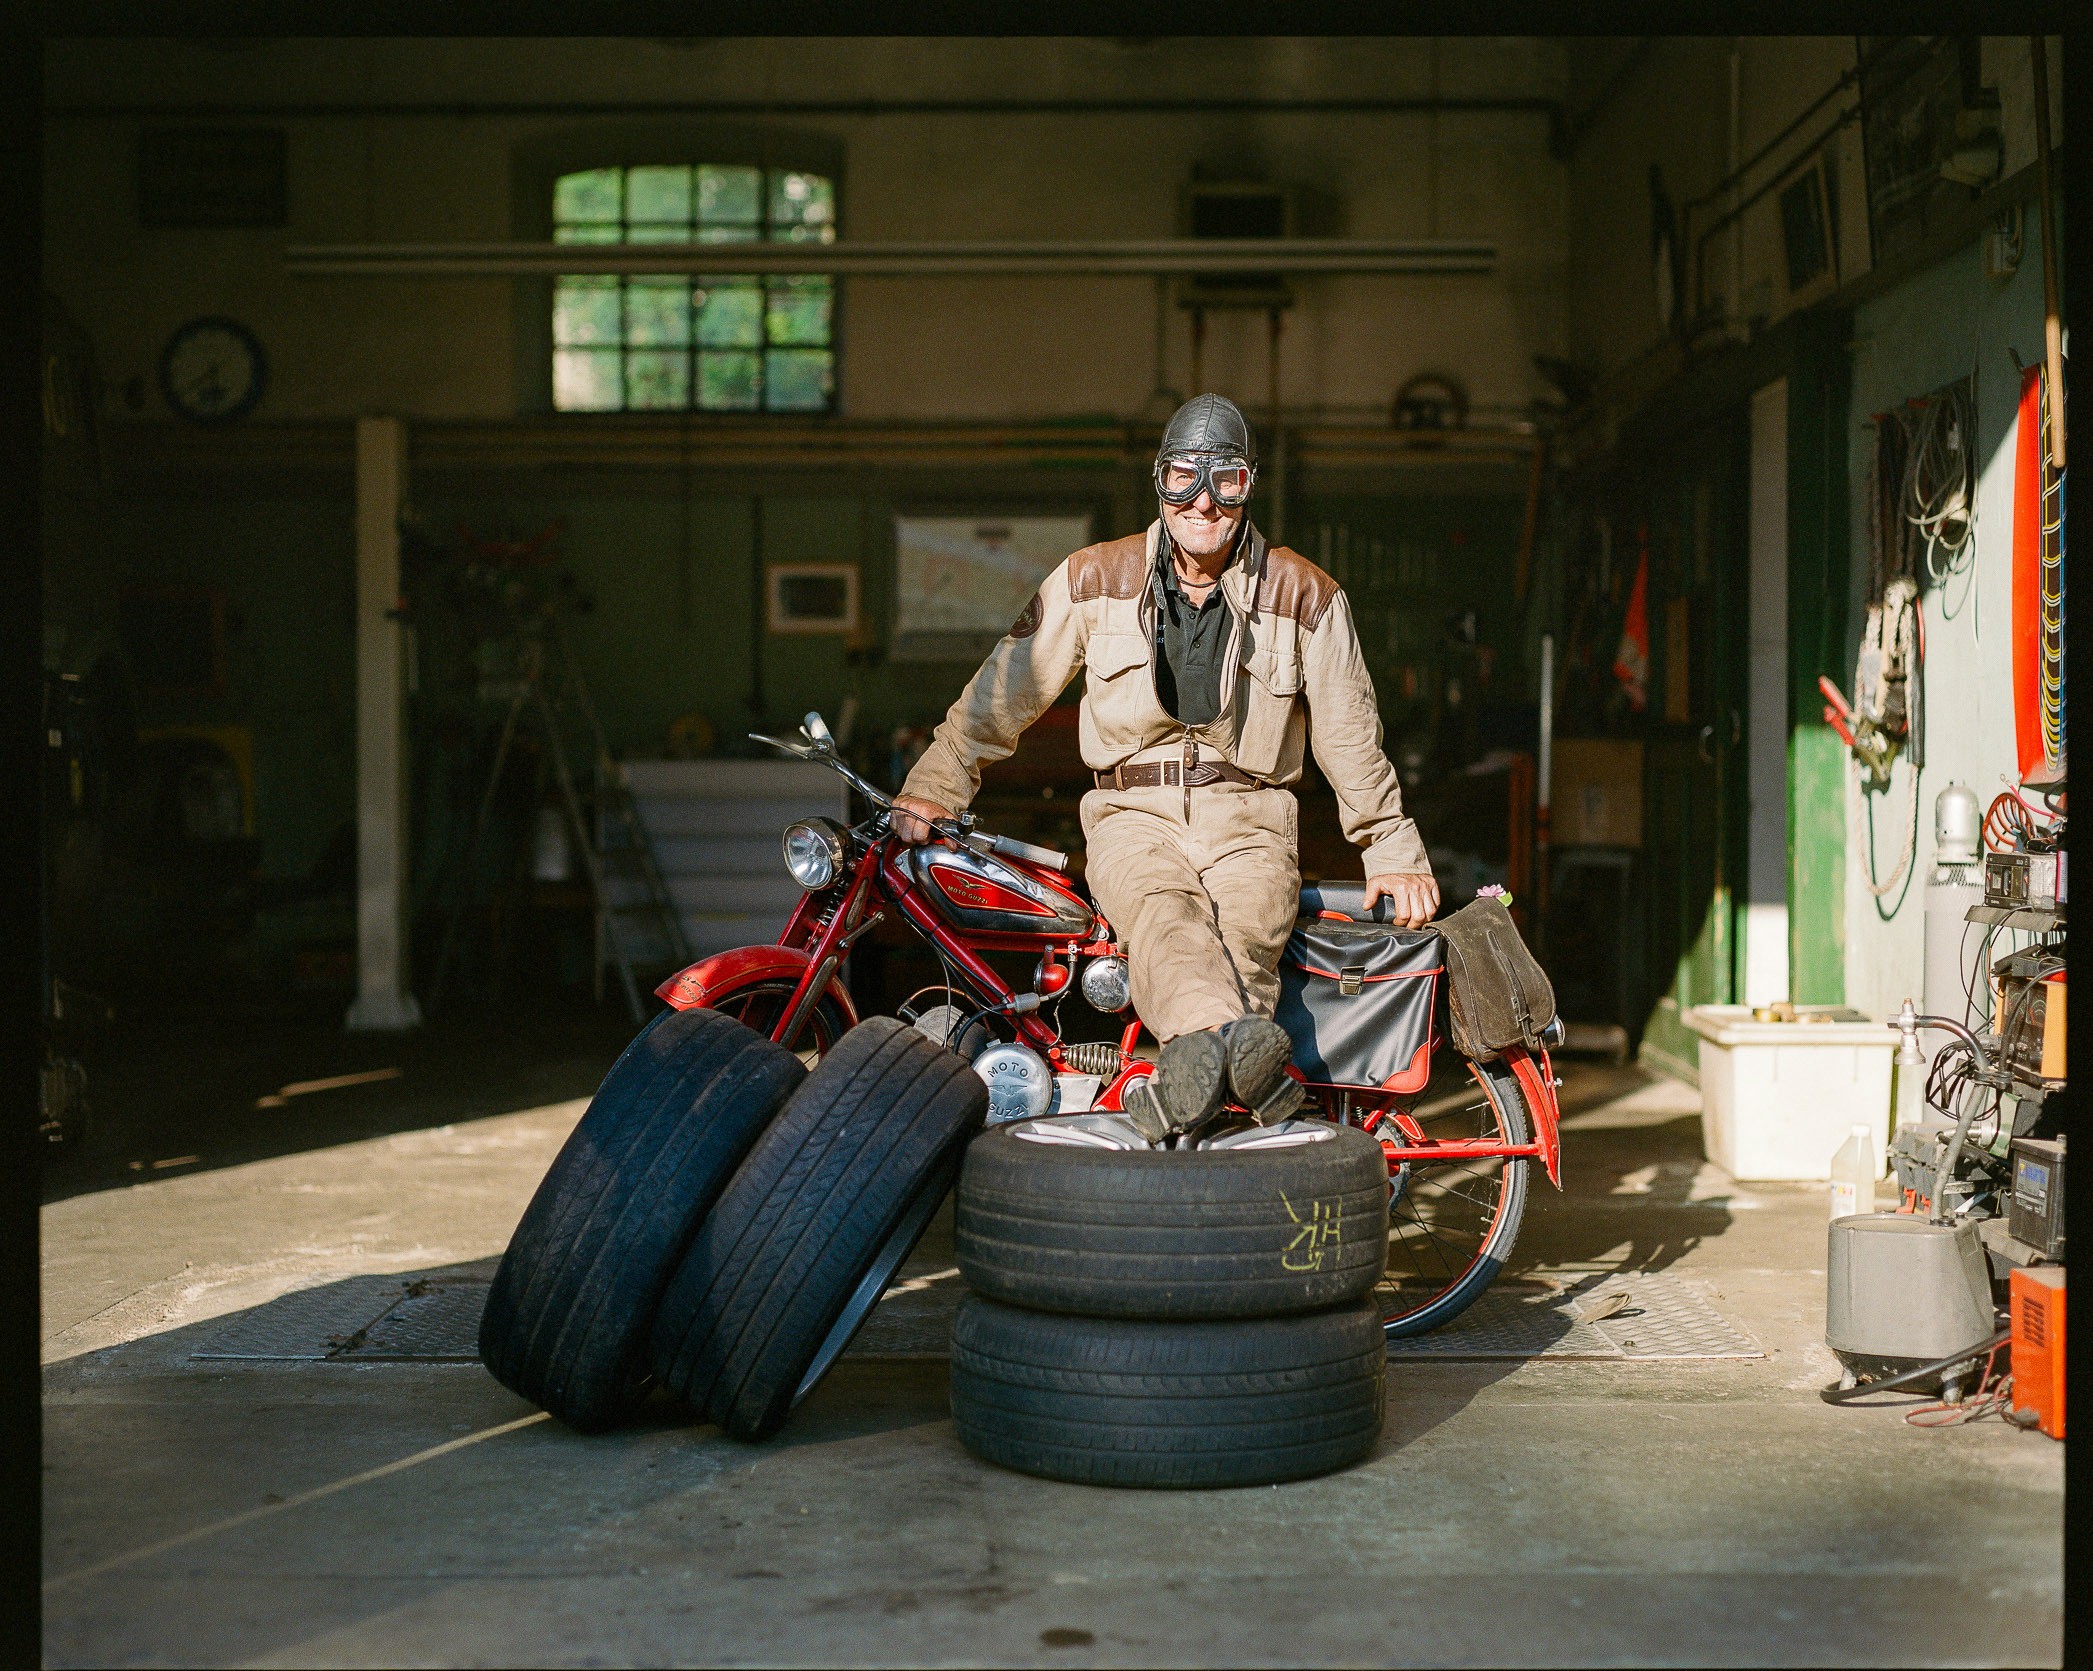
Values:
[(1109, 656), (1266, 693), (1120, 705)]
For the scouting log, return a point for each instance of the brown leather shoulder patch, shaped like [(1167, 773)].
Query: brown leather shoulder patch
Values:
[(1294, 586), (1109, 569)]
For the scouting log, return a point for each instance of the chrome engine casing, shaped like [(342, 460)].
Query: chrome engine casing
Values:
[(1020, 1083)]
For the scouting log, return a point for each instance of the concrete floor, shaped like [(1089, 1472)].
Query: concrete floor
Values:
[(1544, 1512)]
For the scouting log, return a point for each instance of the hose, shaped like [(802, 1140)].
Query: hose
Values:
[(1860, 1389)]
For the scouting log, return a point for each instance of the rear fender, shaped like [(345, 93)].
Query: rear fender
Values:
[(1537, 1080), (710, 979)]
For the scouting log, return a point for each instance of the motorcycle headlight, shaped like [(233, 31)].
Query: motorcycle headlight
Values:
[(813, 853), (1107, 985)]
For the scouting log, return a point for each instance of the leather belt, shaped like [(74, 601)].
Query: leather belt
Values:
[(1156, 773), (1192, 772)]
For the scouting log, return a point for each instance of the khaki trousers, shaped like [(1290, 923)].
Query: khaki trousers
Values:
[(1202, 905)]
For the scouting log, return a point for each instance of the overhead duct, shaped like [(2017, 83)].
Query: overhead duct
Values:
[(1070, 258)]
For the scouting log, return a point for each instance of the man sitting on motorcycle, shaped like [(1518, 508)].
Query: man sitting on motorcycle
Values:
[(1214, 660)]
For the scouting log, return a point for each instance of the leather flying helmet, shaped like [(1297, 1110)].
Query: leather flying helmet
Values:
[(1207, 447)]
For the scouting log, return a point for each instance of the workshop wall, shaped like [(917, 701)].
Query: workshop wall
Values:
[(257, 514), (1695, 107), (1950, 322), (961, 348), (1880, 327)]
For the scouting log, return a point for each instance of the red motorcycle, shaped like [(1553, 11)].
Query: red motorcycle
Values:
[(1458, 1154)]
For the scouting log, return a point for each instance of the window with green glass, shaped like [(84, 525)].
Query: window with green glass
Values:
[(728, 343)]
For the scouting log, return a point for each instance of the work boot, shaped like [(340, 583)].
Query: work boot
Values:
[(1144, 1110), (1258, 1051), (1185, 1090)]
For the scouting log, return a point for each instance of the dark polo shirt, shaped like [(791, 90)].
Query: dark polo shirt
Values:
[(1192, 644)]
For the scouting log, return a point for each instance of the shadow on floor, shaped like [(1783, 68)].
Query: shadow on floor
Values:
[(169, 1095)]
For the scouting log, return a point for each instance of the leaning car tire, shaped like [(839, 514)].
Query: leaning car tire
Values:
[(1117, 1401), (567, 1315), (1173, 1232), (802, 1242)]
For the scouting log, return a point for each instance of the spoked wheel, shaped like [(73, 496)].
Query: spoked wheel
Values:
[(758, 1006), (1451, 1227)]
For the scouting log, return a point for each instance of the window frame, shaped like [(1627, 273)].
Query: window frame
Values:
[(538, 163)]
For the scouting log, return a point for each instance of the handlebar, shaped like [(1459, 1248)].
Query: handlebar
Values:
[(960, 832), (1009, 849)]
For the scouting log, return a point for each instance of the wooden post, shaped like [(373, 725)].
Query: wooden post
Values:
[(384, 999)]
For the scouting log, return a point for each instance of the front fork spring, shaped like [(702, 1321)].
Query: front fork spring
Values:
[(1101, 1058)]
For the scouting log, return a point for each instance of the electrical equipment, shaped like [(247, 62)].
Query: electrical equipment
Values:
[(2023, 881), (2036, 1215), (1900, 1291), (2028, 1017), (2037, 1293)]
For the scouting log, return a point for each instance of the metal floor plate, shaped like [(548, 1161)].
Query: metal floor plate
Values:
[(1660, 1316), (315, 1324), (390, 1319)]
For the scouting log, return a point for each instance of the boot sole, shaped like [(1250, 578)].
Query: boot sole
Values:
[(1191, 1078), (1258, 1052)]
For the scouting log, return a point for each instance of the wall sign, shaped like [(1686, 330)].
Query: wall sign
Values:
[(961, 581)]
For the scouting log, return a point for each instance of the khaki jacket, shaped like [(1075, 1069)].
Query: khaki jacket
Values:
[(1294, 680)]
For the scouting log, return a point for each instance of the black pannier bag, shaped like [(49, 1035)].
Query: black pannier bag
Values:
[(1497, 996), (1355, 996)]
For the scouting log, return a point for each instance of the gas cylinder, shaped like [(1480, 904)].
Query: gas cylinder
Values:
[(1956, 884)]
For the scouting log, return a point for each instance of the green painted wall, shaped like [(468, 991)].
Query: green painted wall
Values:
[(1818, 523)]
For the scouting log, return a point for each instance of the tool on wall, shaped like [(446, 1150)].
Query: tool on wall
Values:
[(1923, 503)]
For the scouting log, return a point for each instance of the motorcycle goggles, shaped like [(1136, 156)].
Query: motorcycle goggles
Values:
[(1227, 480)]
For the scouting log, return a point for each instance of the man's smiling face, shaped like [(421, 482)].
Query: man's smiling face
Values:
[(1202, 528)]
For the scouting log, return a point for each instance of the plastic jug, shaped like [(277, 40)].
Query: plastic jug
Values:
[(1853, 1174)]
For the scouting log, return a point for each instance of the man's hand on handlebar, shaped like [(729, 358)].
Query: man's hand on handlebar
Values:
[(911, 819), (1411, 898)]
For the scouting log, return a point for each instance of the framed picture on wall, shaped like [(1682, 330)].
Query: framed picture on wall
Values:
[(812, 598), (960, 581)]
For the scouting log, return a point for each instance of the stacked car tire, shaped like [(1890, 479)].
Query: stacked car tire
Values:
[(722, 1219), (1194, 1317)]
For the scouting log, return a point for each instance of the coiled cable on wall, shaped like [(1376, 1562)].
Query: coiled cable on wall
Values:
[(1939, 480)]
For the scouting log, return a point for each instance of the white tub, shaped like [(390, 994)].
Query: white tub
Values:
[(1778, 1098)]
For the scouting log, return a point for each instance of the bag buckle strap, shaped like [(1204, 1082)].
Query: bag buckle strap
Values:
[(1350, 980)]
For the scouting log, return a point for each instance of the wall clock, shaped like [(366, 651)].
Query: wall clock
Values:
[(212, 370)]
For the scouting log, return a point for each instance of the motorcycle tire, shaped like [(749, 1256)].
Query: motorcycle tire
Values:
[(568, 1312), (1173, 1233), (822, 1212), (1120, 1401)]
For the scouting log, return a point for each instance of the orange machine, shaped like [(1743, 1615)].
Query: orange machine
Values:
[(2038, 1346)]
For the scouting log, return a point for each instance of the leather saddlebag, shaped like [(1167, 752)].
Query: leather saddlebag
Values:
[(1497, 995), (1356, 999)]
